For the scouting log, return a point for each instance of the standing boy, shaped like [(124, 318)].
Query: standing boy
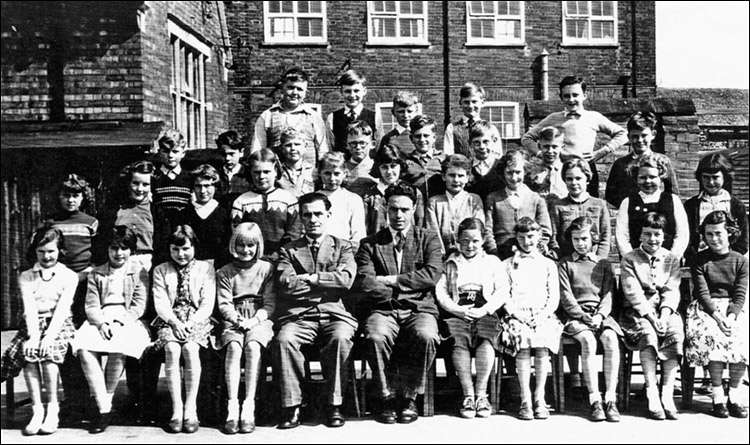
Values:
[(232, 175), (580, 127), (353, 90), (405, 107), (485, 144), (296, 175), (422, 166), (360, 141), (171, 188), (456, 139), (291, 111), (347, 209), (545, 176)]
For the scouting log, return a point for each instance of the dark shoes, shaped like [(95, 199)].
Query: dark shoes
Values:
[(247, 426), (289, 418), (174, 426), (611, 412), (737, 410), (720, 410), (334, 418), (386, 413), (657, 414), (231, 426), (408, 413), (100, 423), (597, 412)]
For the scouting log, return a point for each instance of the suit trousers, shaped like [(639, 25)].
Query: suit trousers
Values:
[(333, 337), (415, 335)]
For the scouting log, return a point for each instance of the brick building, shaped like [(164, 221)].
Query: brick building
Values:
[(440, 45), (87, 87)]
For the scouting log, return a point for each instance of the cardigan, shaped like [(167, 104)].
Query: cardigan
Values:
[(564, 211), (640, 281), (444, 219), (736, 209), (718, 276), (202, 290), (135, 288), (501, 217)]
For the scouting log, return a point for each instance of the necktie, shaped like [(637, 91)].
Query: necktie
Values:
[(469, 123), (351, 116), (400, 241), (314, 251)]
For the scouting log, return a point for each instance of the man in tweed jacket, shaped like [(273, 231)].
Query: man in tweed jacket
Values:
[(313, 276), (398, 268)]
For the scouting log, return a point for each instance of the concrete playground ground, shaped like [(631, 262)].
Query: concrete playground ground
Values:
[(694, 426)]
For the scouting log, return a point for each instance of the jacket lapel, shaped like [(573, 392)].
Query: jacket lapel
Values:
[(410, 247), (324, 251), (304, 256)]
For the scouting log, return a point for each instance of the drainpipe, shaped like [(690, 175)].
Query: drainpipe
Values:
[(545, 75), (633, 49), (446, 68)]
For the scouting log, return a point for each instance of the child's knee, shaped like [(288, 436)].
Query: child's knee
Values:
[(609, 341), (252, 348)]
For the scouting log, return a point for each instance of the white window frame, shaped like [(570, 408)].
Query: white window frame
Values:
[(497, 40), (383, 112), (189, 104), (372, 15), (318, 108), (295, 16), (590, 41), (499, 123)]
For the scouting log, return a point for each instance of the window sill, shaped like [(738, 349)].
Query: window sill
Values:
[(296, 44), (590, 45), (397, 44), (494, 45)]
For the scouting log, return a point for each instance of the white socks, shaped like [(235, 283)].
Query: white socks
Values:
[(652, 393), (610, 396), (594, 397), (718, 394), (248, 410), (736, 396), (667, 398), (233, 409)]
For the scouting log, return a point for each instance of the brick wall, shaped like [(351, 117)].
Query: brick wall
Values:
[(506, 72)]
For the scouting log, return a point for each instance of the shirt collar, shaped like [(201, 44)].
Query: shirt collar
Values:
[(557, 165), (647, 199), (357, 110), (302, 108), (590, 256), (659, 254), (721, 197), (314, 242), (400, 129), (460, 196), (38, 267), (173, 173), (394, 231), (234, 170), (489, 162), (520, 254), (574, 113), (583, 197)]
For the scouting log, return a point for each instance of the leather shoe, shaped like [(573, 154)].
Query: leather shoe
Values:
[(671, 415), (174, 426), (247, 426), (597, 412), (737, 410), (408, 413), (334, 418), (525, 412), (385, 412), (611, 411), (231, 427), (190, 426), (540, 411), (100, 423), (657, 415), (720, 410), (289, 418)]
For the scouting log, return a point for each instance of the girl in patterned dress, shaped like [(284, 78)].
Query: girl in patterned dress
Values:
[(530, 321), (246, 301), (650, 279), (184, 297), (41, 343), (717, 322), (472, 288)]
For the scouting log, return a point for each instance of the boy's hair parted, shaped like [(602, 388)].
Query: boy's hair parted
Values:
[(526, 225), (45, 235), (579, 163), (309, 198), (290, 134), (642, 120), (456, 161), (386, 155), (294, 75), (181, 235), (332, 159), (170, 139), (721, 217), (359, 128), (715, 163), (550, 133), (572, 80), (230, 139), (405, 99), (581, 223), (422, 121), (481, 128), (248, 232), (205, 171), (470, 224), (654, 220), (123, 237), (401, 188), (469, 89), (351, 77)]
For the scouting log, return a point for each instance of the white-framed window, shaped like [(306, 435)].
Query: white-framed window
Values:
[(316, 107), (383, 112), (589, 23), (295, 22), (188, 84), (495, 23), (397, 23), (504, 115)]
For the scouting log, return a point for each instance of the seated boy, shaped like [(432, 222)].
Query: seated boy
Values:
[(291, 111), (359, 140), (405, 107), (353, 91)]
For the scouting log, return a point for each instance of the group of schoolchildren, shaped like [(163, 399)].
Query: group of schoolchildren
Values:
[(325, 229)]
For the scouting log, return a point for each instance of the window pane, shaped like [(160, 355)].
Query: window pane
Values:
[(384, 6), (411, 8), (508, 130), (514, 8), (310, 27), (509, 29), (608, 9), (384, 27), (411, 27), (316, 7), (482, 7), (596, 8), (287, 7), (282, 27), (578, 8), (274, 7), (303, 7), (577, 29), (482, 29), (602, 30)]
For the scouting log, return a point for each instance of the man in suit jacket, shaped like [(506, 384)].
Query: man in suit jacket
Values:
[(313, 276), (398, 268)]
